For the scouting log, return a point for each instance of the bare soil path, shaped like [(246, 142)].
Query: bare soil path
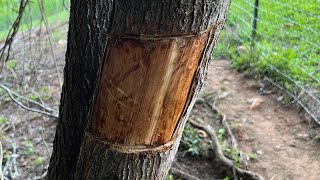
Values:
[(279, 135)]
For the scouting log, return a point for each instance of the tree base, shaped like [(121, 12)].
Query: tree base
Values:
[(103, 160)]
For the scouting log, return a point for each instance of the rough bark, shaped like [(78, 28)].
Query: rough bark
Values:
[(88, 26), (112, 150)]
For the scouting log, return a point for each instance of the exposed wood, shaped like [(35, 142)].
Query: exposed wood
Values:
[(144, 86)]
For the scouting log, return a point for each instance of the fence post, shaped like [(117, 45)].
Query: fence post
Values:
[(255, 21)]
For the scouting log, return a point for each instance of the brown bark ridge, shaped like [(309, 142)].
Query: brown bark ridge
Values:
[(154, 65)]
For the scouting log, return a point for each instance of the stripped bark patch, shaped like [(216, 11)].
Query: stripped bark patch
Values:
[(144, 86)]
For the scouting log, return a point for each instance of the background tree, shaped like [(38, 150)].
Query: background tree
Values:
[(155, 62)]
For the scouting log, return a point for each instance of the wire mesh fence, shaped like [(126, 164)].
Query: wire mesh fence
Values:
[(278, 40)]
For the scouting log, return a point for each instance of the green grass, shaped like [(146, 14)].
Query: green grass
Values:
[(54, 11), (287, 45)]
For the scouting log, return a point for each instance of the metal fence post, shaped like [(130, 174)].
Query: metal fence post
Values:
[(255, 22)]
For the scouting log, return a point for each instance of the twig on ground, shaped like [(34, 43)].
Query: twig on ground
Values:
[(44, 141), (44, 106), (225, 124), (8, 163), (182, 174), (14, 162), (219, 155), (12, 94), (40, 177), (273, 177)]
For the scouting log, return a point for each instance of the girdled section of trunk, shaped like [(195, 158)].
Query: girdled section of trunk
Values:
[(143, 87), (154, 66)]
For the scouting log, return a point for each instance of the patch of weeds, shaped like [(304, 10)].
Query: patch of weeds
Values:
[(193, 142), (38, 161), (58, 35), (11, 64), (45, 92), (221, 134), (219, 115), (235, 125), (222, 88), (205, 94), (33, 97), (251, 155), (2, 91), (233, 153), (226, 45), (170, 177), (29, 150), (3, 120)]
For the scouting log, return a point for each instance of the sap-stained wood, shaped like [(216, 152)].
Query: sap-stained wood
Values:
[(143, 88)]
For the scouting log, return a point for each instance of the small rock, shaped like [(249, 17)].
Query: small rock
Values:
[(302, 136), (62, 42), (259, 152), (254, 103), (280, 98)]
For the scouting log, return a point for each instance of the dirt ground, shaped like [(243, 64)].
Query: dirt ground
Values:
[(281, 136), (27, 136)]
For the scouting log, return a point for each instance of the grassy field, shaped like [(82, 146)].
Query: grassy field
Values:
[(54, 11), (287, 45)]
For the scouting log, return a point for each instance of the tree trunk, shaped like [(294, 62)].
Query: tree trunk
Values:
[(154, 64), (88, 25)]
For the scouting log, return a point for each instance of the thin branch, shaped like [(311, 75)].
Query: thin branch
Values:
[(182, 174), (14, 162), (29, 100), (12, 94), (12, 33), (40, 177), (44, 19), (225, 124)]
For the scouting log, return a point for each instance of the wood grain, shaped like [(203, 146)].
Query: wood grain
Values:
[(143, 88)]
